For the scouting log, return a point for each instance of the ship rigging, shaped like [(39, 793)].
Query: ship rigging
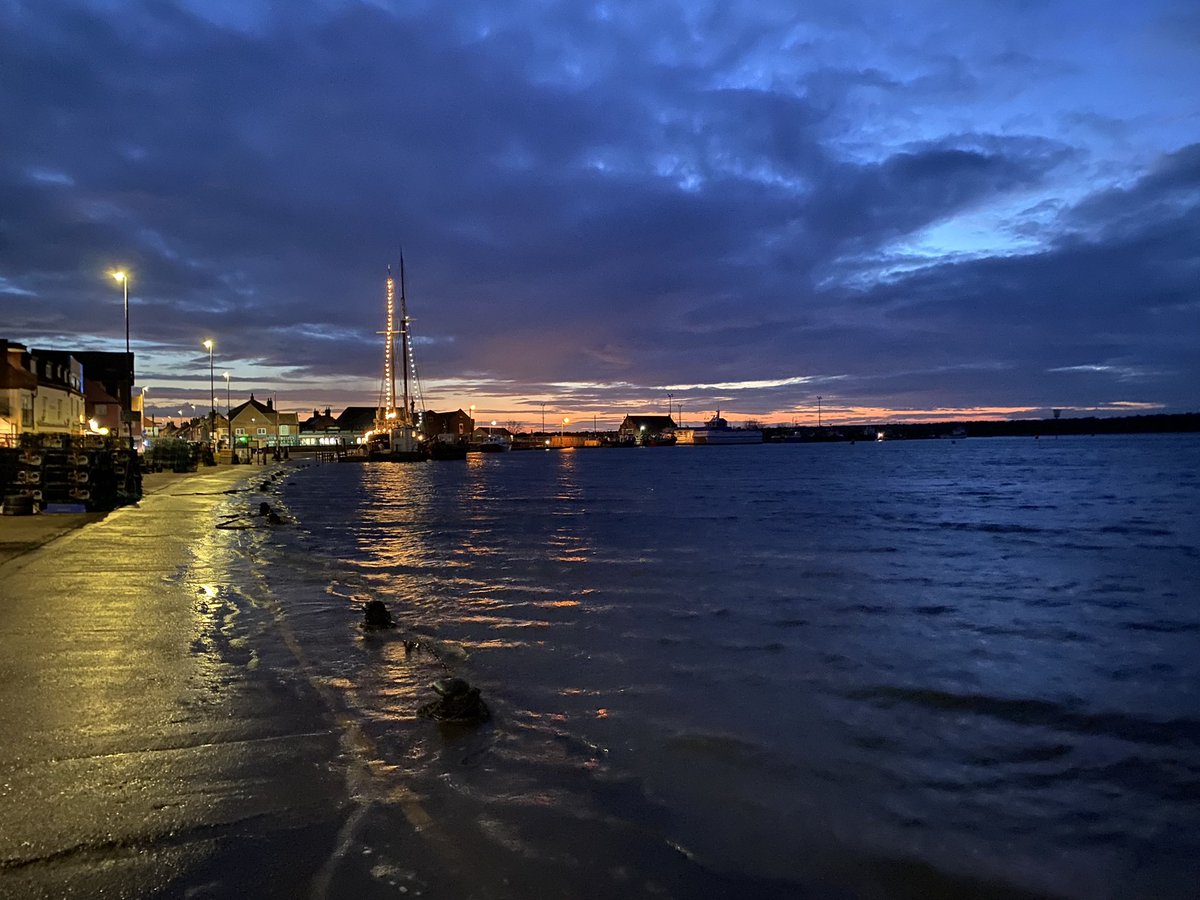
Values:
[(397, 433)]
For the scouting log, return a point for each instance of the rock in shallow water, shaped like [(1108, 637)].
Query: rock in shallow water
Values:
[(457, 703), (376, 616)]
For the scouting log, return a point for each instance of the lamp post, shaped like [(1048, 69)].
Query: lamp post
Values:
[(228, 406), (562, 428), (122, 276), (212, 391), (818, 410)]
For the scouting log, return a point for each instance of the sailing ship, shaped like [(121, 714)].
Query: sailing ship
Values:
[(396, 435)]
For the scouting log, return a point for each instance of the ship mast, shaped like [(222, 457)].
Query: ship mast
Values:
[(408, 412), (386, 414)]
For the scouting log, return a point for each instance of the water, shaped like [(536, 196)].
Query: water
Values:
[(910, 669)]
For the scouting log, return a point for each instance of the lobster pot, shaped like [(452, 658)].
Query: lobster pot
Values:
[(99, 472)]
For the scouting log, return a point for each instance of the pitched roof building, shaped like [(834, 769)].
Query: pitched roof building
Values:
[(258, 424)]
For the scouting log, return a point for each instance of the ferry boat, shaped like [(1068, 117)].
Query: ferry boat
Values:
[(717, 431)]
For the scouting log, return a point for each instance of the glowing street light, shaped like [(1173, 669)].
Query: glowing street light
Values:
[(228, 406), (212, 392), (145, 391), (563, 427), (123, 277)]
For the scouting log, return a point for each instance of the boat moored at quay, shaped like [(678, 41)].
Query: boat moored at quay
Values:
[(398, 434), (717, 431)]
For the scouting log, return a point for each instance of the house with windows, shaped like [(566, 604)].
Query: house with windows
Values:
[(59, 406), (255, 424), (452, 426), (18, 389), (321, 429)]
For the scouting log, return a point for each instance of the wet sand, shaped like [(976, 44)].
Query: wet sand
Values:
[(144, 750)]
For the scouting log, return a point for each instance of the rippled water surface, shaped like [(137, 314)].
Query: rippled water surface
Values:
[(903, 669)]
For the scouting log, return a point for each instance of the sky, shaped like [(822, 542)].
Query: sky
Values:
[(916, 211)]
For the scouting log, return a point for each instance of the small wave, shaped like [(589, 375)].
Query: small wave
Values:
[(1044, 713), (1162, 627), (1135, 529), (873, 609), (1036, 632), (771, 647), (992, 527)]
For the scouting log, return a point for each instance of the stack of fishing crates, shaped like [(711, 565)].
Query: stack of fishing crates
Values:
[(14, 502), (99, 473)]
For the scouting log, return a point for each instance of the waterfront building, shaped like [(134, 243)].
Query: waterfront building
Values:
[(356, 421), (639, 429), (321, 429), (453, 427), (255, 424)]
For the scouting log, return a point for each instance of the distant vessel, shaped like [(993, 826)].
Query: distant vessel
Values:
[(717, 431), (493, 443)]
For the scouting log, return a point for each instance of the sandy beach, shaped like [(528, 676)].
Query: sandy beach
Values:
[(147, 751)]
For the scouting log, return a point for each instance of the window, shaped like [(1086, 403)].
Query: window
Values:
[(239, 431), (262, 431), (283, 429)]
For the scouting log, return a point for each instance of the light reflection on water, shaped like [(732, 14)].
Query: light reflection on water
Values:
[(827, 665)]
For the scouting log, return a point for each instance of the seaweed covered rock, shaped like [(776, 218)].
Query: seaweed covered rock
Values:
[(457, 703), (376, 616)]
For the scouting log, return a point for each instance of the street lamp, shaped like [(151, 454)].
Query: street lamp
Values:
[(122, 276), (563, 427), (228, 406), (145, 391), (212, 392), (818, 410)]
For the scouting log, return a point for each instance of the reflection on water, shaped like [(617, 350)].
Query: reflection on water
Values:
[(914, 669)]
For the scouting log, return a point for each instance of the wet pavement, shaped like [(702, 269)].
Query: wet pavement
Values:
[(144, 751)]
